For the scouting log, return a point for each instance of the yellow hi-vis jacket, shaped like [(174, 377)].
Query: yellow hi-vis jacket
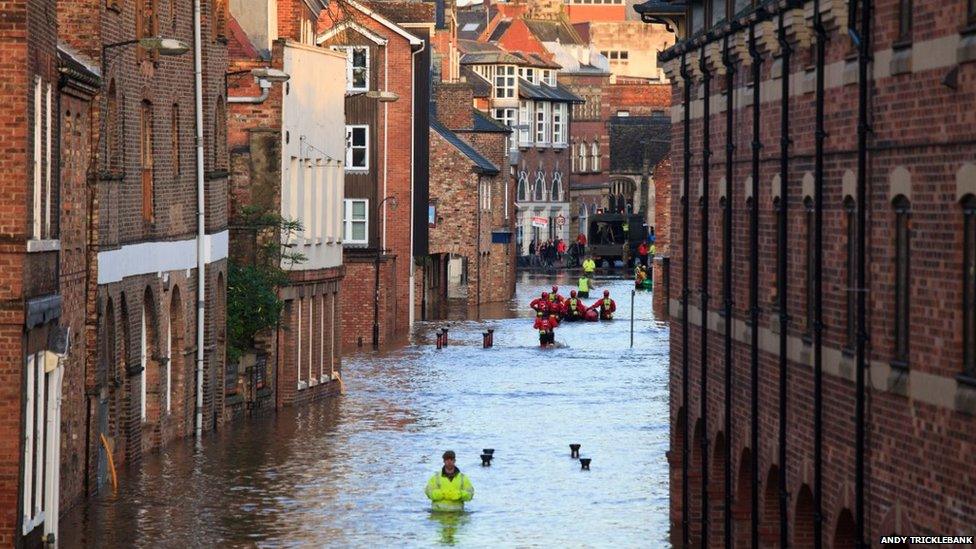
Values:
[(449, 494), (589, 266)]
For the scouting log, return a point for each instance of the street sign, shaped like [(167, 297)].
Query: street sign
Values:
[(560, 221), (540, 222)]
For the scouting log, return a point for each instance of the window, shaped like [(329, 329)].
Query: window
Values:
[(778, 251), (623, 114), (35, 435), (146, 160), (42, 161), (717, 11), (809, 218), (850, 214), (904, 20), (357, 67), (505, 82), (356, 220), (542, 123), (559, 124), (302, 383), (220, 135), (143, 360), (526, 109), (969, 286), (540, 186), (485, 192), (147, 26), (357, 148), (902, 278), (556, 191), (582, 156), (572, 158), (523, 185), (528, 74), (697, 17), (507, 117), (595, 153), (174, 138)]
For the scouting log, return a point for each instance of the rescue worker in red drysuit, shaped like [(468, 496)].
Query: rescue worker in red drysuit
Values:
[(546, 327), (542, 307), (606, 306), (573, 308)]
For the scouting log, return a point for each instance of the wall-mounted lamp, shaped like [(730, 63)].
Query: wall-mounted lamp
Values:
[(265, 77)]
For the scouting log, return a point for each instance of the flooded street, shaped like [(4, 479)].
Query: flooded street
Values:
[(350, 472)]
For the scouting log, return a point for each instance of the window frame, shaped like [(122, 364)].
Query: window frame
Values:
[(543, 120), (348, 220), (504, 83), (559, 117), (147, 161), (351, 68), (905, 22), (901, 206), (528, 120), (523, 193), (556, 187), (583, 156), (595, 156), (351, 166), (539, 189)]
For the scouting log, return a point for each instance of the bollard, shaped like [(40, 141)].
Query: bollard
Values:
[(444, 336), (491, 337), (484, 340), (574, 450), (440, 342), (489, 451), (486, 460), (584, 464)]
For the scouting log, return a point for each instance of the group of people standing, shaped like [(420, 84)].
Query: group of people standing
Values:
[(551, 308)]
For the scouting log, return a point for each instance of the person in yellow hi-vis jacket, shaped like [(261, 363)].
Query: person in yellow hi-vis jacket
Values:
[(449, 488)]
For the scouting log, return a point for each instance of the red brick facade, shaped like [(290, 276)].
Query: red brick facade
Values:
[(920, 450)]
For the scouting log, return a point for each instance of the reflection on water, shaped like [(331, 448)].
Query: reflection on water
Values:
[(350, 472)]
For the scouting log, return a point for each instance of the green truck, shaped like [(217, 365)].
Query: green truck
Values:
[(614, 236)]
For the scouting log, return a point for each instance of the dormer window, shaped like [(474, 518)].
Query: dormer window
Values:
[(505, 82), (357, 67)]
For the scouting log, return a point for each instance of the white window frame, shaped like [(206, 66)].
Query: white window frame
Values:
[(34, 435), (298, 354), (559, 125), (42, 237), (485, 189), (350, 129), (348, 221), (542, 120), (595, 155), (143, 360), (527, 121), (539, 189), (350, 69), (582, 156), (523, 191), (504, 82)]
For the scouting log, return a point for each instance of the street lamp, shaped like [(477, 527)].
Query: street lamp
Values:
[(265, 77), (170, 47)]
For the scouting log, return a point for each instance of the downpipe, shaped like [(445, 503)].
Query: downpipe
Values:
[(703, 394), (685, 452), (818, 177), (754, 289), (201, 216), (782, 282), (727, 281)]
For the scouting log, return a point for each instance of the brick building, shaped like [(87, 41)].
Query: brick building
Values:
[(833, 400), (639, 144), (387, 102), (472, 212), (287, 158), (149, 380)]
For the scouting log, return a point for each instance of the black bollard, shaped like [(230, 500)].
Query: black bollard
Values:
[(489, 451), (440, 342), (491, 337), (486, 460), (584, 464), (444, 336), (574, 450), (484, 340)]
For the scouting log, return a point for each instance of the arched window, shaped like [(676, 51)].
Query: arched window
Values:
[(220, 135), (595, 155), (174, 133), (850, 214), (146, 159), (902, 210), (582, 157), (523, 186), (572, 160), (808, 220), (969, 286), (539, 193), (557, 187)]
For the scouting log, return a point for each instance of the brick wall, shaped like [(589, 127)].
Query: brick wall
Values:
[(454, 103), (920, 420)]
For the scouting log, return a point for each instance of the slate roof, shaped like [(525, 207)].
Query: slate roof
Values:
[(500, 29), (480, 86), (631, 137), (481, 164), (661, 7), (75, 65), (472, 16), (541, 92), (535, 60), (404, 12), (547, 30), (485, 123), (490, 57)]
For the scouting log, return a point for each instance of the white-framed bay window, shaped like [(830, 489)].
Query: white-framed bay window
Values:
[(505, 82), (542, 114), (357, 67), (509, 118), (526, 117), (356, 221), (357, 148), (559, 125)]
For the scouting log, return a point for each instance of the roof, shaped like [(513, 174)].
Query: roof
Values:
[(633, 137), (76, 66), (535, 60), (541, 92), (661, 7), (485, 123), (381, 19), (487, 58), (500, 29), (239, 44), (568, 57), (481, 164), (480, 87), (404, 12), (471, 22), (548, 30)]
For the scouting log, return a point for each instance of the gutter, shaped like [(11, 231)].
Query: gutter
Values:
[(201, 215)]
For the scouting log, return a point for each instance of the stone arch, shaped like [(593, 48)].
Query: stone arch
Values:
[(803, 519), (769, 525), (176, 352), (742, 505), (966, 180), (152, 371), (845, 533), (128, 405), (716, 491), (674, 460), (900, 183), (774, 187), (695, 511)]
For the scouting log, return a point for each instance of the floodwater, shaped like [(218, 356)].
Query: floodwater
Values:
[(350, 472)]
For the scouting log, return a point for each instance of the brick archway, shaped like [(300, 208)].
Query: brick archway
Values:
[(742, 506), (803, 520), (695, 511), (845, 533), (716, 491), (769, 524)]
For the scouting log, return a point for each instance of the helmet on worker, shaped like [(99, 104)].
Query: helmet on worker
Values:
[(572, 293), (555, 289), (606, 293), (545, 295)]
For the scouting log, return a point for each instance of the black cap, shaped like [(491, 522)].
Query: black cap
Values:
[(449, 455)]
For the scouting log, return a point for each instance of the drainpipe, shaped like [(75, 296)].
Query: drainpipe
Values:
[(782, 282), (818, 177), (727, 280), (706, 158), (413, 157), (863, 40), (201, 214), (685, 452), (754, 286)]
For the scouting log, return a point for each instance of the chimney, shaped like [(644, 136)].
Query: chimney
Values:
[(439, 14), (455, 103)]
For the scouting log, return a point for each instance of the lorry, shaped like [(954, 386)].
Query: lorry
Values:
[(612, 237)]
